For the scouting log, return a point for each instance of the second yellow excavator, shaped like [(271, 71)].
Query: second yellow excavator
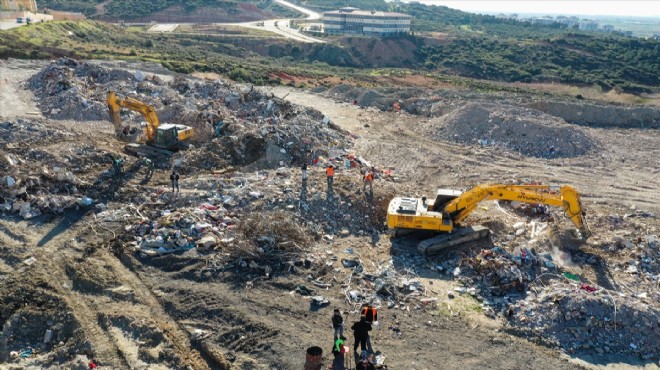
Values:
[(166, 137), (451, 207)]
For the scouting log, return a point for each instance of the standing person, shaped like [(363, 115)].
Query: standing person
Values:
[(117, 165), (368, 180), (304, 171), (338, 324), (330, 173), (150, 167), (369, 312), (175, 181), (339, 350), (370, 315), (361, 333)]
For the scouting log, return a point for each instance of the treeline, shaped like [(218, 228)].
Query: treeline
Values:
[(610, 62), (87, 7)]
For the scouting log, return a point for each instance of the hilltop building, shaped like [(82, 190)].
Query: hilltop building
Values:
[(18, 5), (355, 21)]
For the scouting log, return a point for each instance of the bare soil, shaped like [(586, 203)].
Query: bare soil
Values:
[(148, 313)]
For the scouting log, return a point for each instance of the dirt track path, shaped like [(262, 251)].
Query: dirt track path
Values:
[(14, 100), (618, 174)]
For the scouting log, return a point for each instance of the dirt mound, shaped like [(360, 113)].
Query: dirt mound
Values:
[(526, 131), (582, 321), (601, 115), (37, 325)]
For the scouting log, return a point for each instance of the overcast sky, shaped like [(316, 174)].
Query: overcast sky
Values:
[(646, 8)]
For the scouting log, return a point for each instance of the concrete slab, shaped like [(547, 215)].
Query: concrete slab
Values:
[(164, 27)]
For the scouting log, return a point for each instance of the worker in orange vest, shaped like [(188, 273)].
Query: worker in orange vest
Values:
[(368, 179), (330, 173), (370, 315)]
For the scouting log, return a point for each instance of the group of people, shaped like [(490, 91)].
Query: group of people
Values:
[(364, 358), (118, 163), (368, 177)]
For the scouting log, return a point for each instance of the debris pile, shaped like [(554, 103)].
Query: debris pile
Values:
[(66, 89), (581, 318), (36, 181), (497, 272), (544, 297), (250, 220), (527, 131), (248, 125)]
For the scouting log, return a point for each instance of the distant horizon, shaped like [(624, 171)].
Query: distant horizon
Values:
[(634, 8)]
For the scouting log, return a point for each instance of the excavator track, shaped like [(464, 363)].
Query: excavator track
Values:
[(463, 235), (149, 151)]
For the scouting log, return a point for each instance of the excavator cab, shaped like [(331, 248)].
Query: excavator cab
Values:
[(171, 136), (443, 197)]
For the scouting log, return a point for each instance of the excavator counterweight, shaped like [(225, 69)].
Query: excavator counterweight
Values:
[(451, 207)]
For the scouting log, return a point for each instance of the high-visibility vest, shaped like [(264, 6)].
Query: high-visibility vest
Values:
[(330, 171), (370, 313), (368, 176)]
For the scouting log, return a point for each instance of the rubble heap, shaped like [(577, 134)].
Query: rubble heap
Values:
[(543, 295), (578, 317), (524, 130), (36, 181), (257, 220), (251, 125), (66, 89)]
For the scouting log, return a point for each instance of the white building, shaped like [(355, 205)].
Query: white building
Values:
[(355, 21), (543, 21)]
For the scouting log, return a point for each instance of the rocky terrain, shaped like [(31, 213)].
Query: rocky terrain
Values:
[(243, 267)]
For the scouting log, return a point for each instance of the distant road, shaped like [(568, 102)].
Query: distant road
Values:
[(310, 14), (278, 26), (5, 25), (281, 26)]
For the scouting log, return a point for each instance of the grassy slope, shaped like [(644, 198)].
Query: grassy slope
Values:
[(178, 52), (127, 9), (227, 55)]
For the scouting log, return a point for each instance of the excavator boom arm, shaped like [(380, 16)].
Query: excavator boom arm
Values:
[(147, 111), (460, 207)]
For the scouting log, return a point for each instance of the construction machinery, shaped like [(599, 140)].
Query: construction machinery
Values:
[(445, 215), (159, 139)]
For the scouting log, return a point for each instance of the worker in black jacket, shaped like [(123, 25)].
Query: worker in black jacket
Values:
[(361, 332), (338, 324), (175, 181)]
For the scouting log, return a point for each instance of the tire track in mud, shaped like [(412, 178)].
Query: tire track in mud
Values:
[(54, 260), (171, 328), (52, 266)]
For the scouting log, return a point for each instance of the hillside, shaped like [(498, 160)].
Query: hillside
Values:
[(172, 10)]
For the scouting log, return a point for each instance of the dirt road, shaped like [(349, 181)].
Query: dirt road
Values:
[(15, 101)]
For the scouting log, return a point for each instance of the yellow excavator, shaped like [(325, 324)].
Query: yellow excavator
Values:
[(451, 207), (160, 139)]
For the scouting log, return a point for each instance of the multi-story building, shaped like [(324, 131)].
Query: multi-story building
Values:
[(355, 21), (18, 5), (543, 21)]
